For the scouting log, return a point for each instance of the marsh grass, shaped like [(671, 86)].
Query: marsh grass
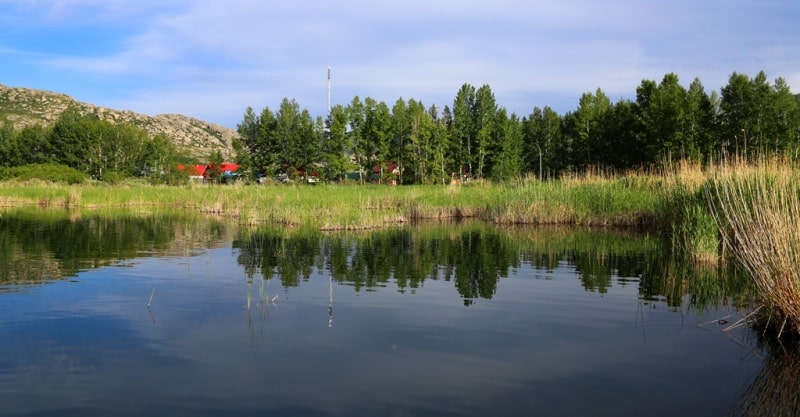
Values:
[(666, 199), (591, 200), (681, 209), (757, 210)]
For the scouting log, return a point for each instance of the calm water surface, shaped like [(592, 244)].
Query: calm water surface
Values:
[(461, 320)]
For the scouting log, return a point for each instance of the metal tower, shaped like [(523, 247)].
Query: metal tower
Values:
[(329, 91)]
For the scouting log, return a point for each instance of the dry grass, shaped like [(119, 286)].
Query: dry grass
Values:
[(757, 209)]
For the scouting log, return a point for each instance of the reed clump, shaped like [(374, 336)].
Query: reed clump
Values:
[(757, 210), (685, 209)]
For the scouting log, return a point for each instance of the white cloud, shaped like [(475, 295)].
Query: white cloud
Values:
[(204, 57)]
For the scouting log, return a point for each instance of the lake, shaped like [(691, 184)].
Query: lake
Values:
[(141, 314)]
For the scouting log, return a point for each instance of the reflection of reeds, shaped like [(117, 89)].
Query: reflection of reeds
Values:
[(775, 391), (757, 208), (150, 301)]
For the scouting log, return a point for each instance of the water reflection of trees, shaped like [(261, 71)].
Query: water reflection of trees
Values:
[(473, 258), (40, 245), (476, 256)]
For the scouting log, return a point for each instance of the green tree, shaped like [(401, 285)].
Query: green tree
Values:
[(440, 143), (215, 161), (419, 141), (625, 141), (508, 158), (267, 156), (378, 131), (126, 147), (462, 130), (784, 119), (541, 134), (671, 119), (335, 161), (71, 138), (9, 147), (401, 132), (699, 120), (260, 140), (485, 140), (158, 155), (247, 141), (744, 112), (359, 146), (288, 134), (33, 145), (310, 142), (588, 147)]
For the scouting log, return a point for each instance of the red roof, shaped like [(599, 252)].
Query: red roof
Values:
[(196, 170), (228, 166), (199, 170)]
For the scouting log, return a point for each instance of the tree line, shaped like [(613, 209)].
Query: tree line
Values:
[(98, 148), (477, 138)]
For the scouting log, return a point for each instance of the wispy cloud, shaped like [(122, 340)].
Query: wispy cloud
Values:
[(213, 59)]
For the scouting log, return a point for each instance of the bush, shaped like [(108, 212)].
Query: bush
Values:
[(113, 177), (44, 172)]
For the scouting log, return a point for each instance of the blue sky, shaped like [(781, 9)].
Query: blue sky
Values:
[(212, 59)]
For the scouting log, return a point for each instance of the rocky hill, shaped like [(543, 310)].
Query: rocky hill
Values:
[(195, 138)]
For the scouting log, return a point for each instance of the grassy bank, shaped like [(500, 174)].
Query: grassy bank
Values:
[(577, 201), (673, 200)]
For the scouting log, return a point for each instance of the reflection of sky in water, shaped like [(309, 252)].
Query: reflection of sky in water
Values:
[(538, 347)]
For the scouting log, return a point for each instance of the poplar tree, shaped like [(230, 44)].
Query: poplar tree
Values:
[(541, 135), (462, 130), (334, 158)]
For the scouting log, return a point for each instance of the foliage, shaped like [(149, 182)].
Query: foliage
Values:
[(89, 145), (279, 142), (477, 139), (44, 172)]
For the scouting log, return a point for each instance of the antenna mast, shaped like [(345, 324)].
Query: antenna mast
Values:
[(329, 91)]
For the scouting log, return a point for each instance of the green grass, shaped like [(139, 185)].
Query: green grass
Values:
[(670, 201), (596, 201)]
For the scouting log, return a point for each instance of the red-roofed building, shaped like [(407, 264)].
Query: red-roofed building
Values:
[(205, 172)]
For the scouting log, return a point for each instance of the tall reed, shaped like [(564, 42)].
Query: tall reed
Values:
[(757, 209), (685, 210)]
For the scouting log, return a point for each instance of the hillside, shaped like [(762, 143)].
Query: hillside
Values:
[(195, 138)]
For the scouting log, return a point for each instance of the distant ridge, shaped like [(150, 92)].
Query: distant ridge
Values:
[(194, 137)]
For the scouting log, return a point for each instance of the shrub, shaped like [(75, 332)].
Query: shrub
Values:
[(113, 177), (44, 172)]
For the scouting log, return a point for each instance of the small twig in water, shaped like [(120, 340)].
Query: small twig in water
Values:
[(152, 294), (744, 320)]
